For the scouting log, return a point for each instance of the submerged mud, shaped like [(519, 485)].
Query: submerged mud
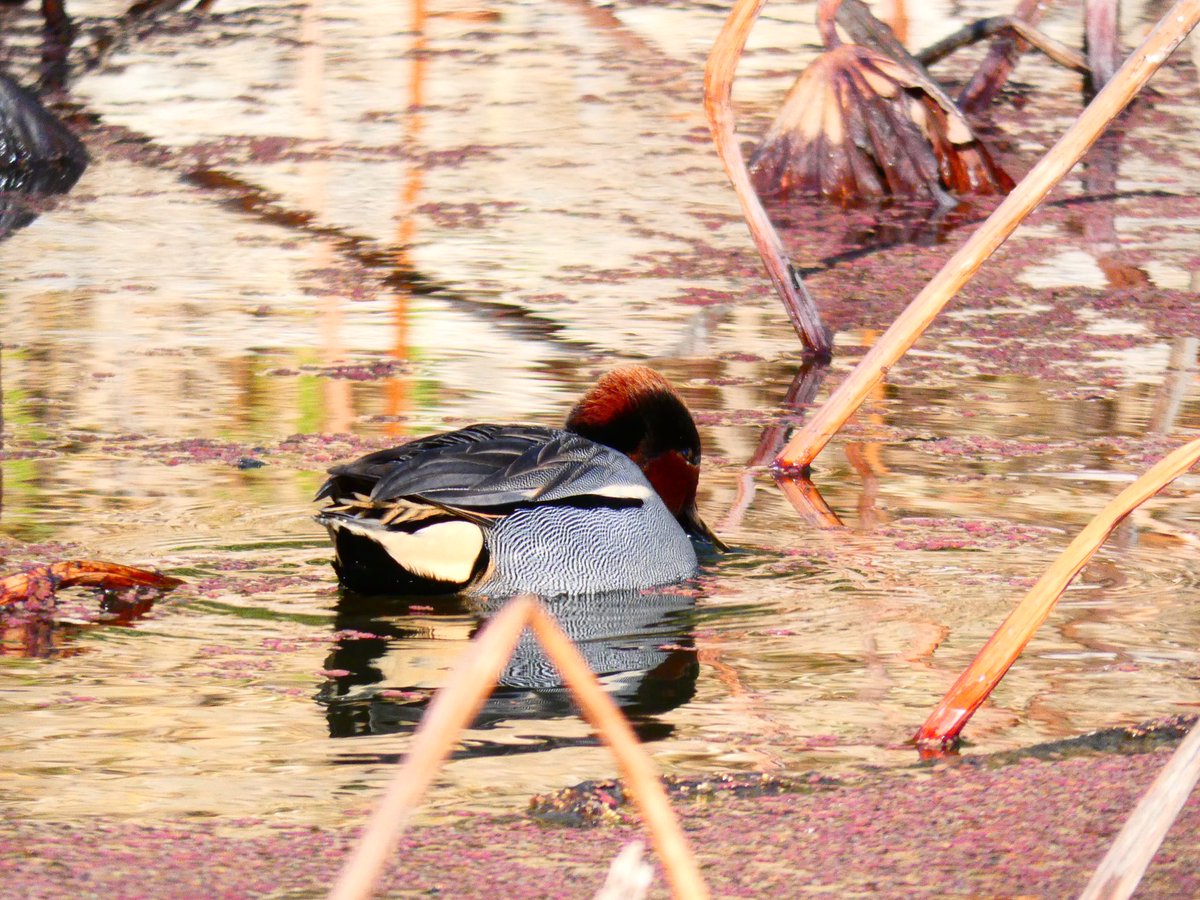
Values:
[(1034, 826)]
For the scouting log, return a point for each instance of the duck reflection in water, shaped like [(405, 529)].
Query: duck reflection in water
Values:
[(391, 654)]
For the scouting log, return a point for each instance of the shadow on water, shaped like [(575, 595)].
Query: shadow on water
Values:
[(639, 643), (866, 230)]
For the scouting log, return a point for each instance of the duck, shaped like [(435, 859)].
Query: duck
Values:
[(605, 503)]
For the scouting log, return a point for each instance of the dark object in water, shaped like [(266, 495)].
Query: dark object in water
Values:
[(29, 626), (38, 155), (31, 137), (862, 125)]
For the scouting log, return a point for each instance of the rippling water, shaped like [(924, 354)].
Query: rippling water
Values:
[(501, 202)]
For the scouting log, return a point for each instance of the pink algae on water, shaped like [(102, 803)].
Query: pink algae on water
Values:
[(932, 831), (375, 266)]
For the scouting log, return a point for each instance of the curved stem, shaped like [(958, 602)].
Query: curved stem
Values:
[(827, 23), (453, 709), (718, 107), (808, 502), (982, 29), (999, 62)]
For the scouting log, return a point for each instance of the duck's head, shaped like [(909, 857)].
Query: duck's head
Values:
[(637, 411)]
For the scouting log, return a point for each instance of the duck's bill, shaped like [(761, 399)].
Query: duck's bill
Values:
[(694, 525)]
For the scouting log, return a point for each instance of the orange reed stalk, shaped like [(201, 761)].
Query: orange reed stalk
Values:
[(452, 709), (636, 766), (985, 671), (911, 324), (718, 107)]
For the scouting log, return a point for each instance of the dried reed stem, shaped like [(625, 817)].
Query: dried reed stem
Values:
[(1103, 39), (452, 709), (1001, 58), (1127, 859), (636, 766), (718, 106), (985, 671), (911, 324), (1004, 25)]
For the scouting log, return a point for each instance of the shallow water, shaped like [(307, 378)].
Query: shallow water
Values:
[(312, 229)]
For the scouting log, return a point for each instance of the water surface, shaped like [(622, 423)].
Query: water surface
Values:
[(312, 229)]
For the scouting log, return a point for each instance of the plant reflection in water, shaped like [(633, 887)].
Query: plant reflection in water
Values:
[(38, 630)]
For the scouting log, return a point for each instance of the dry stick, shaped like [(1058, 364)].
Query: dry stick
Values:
[(453, 709), (1103, 39), (800, 393), (985, 671), (1136, 71), (641, 779), (456, 705), (808, 502), (718, 106), (985, 84), (986, 28), (1123, 866)]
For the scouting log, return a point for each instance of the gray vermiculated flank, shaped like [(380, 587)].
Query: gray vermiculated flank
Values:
[(561, 549)]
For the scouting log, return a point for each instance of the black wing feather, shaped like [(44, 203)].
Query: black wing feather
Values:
[(487, 466)]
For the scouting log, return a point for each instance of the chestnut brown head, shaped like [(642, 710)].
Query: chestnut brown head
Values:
[(637, 411)]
